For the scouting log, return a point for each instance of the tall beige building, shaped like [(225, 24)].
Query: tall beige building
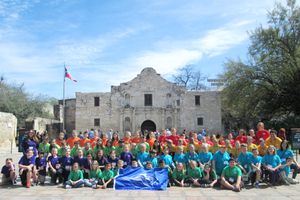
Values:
[(146, 102)]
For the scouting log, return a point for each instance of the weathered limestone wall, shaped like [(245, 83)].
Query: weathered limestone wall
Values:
[(8, 130), (172, 106)]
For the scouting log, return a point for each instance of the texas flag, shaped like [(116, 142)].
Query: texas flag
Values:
[(68, 75)]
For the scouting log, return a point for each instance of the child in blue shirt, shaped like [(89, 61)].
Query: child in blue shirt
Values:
[(272, 164), (66, 164), (27, 169), (41, 165), (9, 172), (255, 174), (54, 165)]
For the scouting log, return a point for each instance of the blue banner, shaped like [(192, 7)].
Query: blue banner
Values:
[(142, 179)]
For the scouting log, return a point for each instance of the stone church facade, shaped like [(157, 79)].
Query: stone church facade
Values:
[(148, 102)]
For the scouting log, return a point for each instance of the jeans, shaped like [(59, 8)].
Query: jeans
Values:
[(90, 183), (295, 170), (77, 185)]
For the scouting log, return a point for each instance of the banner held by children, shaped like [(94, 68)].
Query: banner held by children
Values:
[(142, 179)]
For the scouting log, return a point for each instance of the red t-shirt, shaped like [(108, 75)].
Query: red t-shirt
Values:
[(242, 139), (174, 139), (262, 134), (162, 139)]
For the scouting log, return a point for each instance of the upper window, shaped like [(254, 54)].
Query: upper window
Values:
[(197, 100), (148, 99), (96, 101)]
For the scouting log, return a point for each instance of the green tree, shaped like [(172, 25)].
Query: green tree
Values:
[(267, 85), (14, 99)]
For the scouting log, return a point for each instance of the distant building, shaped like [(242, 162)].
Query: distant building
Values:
[(148, 102)]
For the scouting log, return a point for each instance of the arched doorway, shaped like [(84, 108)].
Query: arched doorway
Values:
[(148, 125)]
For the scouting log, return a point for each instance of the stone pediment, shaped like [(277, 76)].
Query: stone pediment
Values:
[(149, 80)]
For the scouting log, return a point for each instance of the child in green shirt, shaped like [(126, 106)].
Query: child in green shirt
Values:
[(194, 174), (178, 175), (107, 177), (75, 178), (94, 176)]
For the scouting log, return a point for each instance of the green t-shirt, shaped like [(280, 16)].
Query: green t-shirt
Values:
[(106, 175), (74, 151), (212, 175), (194, 173), (96, 149), (231, 172), (44, 147), (178, 175), (119, 150), (96, 174), (138, 147), (86, 151), (107, 150), (75, 175)]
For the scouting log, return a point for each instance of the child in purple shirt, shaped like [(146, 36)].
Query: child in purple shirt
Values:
[(9, 172)]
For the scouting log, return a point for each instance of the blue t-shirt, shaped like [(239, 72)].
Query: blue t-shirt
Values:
[(54, 161), (27, 161), (66, 162), (167, 158), (205, 157), (114, 162), (191, 156), (221, 161), (81, 160), (154, 162), (127, 157), (244, 159), (30, 144), (180, 158), (143, 158), (41, 162), (284, 154), (6, 170), (272, 160), (255, 160)]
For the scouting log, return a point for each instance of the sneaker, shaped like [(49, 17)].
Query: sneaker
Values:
[(94, 186), (236, 189), (28, 184), (257, 185), (14, 182), (68, 187)]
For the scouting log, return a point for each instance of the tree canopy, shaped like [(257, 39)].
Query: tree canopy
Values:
[(14, 99), (267, 85)]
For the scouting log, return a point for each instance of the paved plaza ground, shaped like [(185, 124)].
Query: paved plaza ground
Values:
[(58, 193)]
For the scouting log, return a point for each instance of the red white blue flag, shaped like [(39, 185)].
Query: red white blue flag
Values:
[(68, 75)]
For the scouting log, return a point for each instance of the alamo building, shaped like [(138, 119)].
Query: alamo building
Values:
[(148, 102)]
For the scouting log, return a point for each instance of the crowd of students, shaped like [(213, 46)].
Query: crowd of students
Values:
[(192, 159)]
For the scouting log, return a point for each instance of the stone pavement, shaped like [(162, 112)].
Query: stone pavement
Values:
[(58, 193)]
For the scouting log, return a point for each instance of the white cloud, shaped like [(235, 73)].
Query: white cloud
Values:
[(170, 55), (167, 61)]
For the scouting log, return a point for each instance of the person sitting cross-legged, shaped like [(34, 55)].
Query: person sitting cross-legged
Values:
[(231, 177)]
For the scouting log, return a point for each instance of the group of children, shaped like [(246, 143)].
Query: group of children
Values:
[(194, 160)]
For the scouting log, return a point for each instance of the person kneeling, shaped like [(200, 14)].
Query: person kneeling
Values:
[(75, 178), (231, 177)]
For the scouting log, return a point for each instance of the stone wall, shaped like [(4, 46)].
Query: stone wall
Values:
[(43, 124), (8, 130)]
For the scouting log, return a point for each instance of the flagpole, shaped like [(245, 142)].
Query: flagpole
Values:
[(64, 101)]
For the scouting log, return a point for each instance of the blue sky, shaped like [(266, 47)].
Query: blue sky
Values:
[(109, 42)]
